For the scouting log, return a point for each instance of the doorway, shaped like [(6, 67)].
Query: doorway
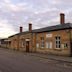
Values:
[(27, 46)]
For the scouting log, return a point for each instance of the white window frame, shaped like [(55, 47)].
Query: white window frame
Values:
[(65, 45), (49, 45), (37, 45), (57, 42), (22, 42), (42, 43)]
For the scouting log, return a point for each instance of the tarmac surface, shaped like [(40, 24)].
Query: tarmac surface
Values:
[(14, 61)]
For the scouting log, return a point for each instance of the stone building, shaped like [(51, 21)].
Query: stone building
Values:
[(4, 42), (52, 40)]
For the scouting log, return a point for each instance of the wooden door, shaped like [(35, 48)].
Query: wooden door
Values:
[(27, 46)]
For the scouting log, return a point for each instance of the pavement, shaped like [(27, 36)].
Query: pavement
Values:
[(49, 56), (53, 57)]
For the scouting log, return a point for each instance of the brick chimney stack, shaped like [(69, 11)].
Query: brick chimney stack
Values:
[(30, 27), (62, 18), (21, 29)]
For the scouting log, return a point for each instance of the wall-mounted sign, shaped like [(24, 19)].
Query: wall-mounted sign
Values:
[(48, 35)]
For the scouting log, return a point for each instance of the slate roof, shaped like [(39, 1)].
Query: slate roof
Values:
[(48, 29), (19, 33), (54, 28)]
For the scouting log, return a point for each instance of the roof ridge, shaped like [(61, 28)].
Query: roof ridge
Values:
[(49, 28)]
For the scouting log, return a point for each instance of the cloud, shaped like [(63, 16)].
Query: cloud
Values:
[(15, 13), (9, 7), (5, 28)]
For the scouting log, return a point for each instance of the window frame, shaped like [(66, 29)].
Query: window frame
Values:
[(42, 43), (49, 45), (37, 45), (58, 42)]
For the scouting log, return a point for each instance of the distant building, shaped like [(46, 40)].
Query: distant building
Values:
[(4, 42)]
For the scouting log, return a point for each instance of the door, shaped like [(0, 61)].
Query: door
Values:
[(27, 46)]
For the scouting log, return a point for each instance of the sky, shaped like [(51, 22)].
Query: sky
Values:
[(41, 13)]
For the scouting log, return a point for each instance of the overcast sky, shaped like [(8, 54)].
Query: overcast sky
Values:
[(41, 13)]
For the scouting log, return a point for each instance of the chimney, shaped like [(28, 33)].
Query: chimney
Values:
[(30, 27), (62, 18), (21, 29)]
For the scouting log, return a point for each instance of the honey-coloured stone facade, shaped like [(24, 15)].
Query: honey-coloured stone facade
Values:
[(18, 42)]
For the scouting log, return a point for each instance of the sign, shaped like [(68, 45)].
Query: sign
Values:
[(48, 35)]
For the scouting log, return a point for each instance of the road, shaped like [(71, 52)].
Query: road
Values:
[(13, 61)]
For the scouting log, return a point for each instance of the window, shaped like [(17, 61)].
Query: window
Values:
[(37, 45), (65, 45), (48, 44), (22, 42), (58, 42), (42, 42)]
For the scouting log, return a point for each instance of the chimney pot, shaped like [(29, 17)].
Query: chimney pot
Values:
[(21, 29), (30, 27), (62, 18)]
